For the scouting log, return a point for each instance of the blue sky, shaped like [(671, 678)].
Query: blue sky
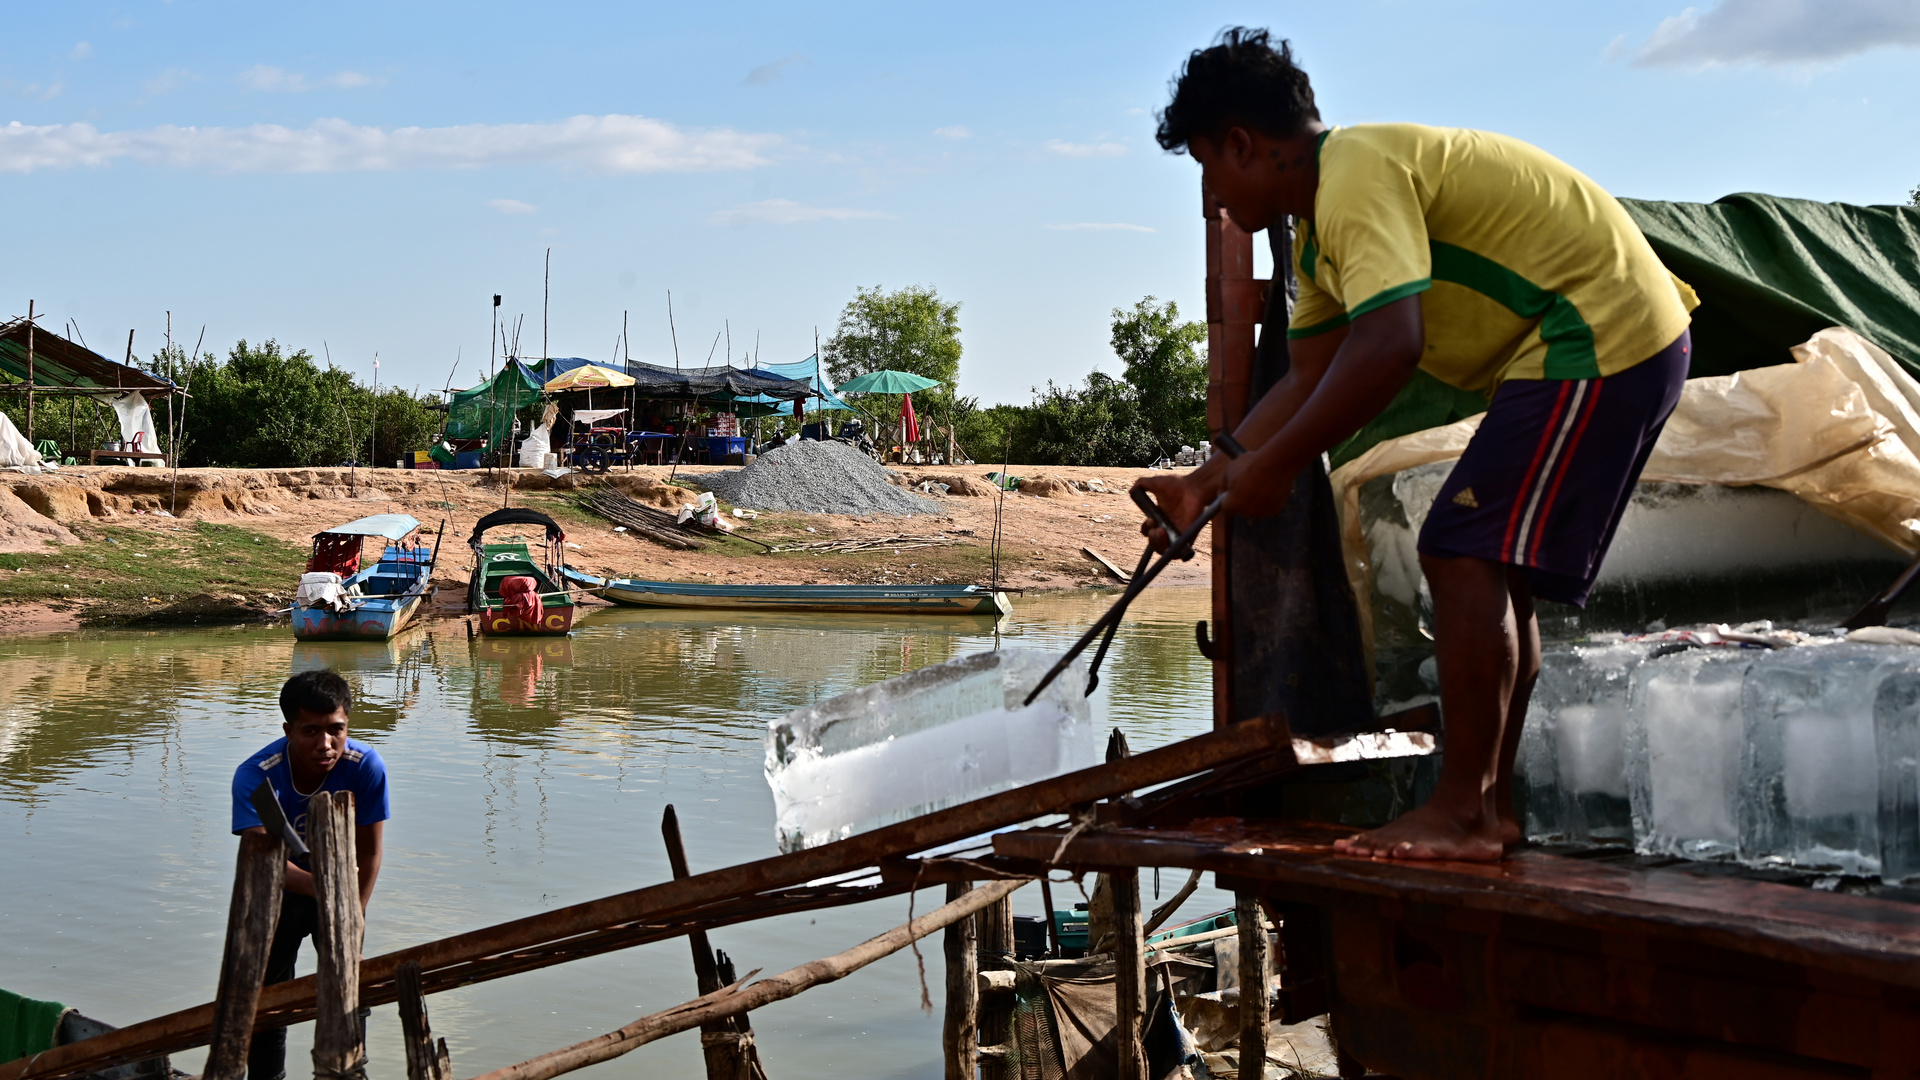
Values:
[(367, 176)]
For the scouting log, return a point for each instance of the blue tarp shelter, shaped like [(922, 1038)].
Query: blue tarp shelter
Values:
[(806, 371)]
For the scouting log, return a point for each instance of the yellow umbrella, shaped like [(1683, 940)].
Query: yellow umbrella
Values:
[(589, 377)]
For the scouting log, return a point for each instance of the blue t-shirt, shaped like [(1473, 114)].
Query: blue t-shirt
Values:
[(359, 770)]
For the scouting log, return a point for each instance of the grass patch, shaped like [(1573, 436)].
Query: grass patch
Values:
[(120, 574)]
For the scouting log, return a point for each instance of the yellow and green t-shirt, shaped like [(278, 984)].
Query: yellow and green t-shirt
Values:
[(1529, 269)]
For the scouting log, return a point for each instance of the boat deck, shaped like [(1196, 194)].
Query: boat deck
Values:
[(1553, 965)]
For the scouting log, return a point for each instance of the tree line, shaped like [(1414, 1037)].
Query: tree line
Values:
[(262, 405), (1156, 405)]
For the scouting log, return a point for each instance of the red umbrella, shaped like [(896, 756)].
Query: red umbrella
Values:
[(909, 426)]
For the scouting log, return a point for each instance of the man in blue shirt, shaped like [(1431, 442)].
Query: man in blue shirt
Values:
[(315, 755)]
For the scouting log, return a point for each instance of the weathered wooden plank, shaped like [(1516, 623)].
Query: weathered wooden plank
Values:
[(960, 1028), (251, 916), (426, 1059), (1256, 976), (1130, 975), (1857, 936), (339, 1050), (630, 918), (731, 1000)]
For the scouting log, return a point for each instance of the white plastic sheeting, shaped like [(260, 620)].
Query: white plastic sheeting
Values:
[(15, 450), (136, 421)]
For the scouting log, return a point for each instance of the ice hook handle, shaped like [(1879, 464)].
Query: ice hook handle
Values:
[(1178, 543)]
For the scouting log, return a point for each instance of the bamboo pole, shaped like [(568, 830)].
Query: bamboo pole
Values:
[(960, 1030), (724, 1054), (732, 1000), (251, 916), (339, 1050), (632, 918), (29, 372), (1255, 979), (426, 1059)]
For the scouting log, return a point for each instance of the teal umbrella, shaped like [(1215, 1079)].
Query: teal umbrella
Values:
[(885, 382)]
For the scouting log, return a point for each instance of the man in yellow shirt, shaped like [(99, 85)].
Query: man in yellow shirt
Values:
[(1497, 268)]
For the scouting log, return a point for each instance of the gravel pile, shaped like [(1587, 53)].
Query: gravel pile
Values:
[(819, 478)]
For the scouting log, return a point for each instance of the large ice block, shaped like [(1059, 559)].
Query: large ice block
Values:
[(1896, 743), (928, 739), (1683, 752), (1809, 776), (1573, 747)]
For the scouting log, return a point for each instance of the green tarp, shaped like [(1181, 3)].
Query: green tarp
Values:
[(26, 1026), (486, 411), (1771, 272)]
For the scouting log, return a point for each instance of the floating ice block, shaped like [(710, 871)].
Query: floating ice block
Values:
[(1683, 752), (1573, 747), (1896, 743), (1809, 777), (926, 740)]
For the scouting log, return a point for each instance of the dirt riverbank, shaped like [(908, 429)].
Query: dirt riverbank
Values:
[(97, 544)]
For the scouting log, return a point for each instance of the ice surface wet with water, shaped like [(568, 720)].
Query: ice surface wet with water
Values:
[(933, 738)]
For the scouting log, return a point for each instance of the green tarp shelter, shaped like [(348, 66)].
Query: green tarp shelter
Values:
[(27, 1026), (1770, 272), (487, 410)]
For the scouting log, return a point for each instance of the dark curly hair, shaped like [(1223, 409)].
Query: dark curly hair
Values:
[(1241, 80), (318, 692)]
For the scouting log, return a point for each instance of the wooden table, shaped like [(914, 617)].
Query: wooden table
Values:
[(1549, 965), (94, 456)]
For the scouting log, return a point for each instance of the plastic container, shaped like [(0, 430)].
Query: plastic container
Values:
[(550, 461), (467, 459)]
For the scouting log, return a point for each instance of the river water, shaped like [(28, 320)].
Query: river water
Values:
[(526, 774)]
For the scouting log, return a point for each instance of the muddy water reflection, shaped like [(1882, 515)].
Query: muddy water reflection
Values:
[(526, 774)]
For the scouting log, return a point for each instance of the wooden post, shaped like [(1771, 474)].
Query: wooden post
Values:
[(1256, 980), (960, 1033), (339, 1051), (426, 1059), (251, 918), (724, 1043), (1234, 306), (1130, 976), (994, 925)]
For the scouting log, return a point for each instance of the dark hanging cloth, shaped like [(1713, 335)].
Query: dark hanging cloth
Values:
[(1296, 630)]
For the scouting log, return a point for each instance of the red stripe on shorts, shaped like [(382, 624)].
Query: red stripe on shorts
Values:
[(1533, 468), (1560, 474)]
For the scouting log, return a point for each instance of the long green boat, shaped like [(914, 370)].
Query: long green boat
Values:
[(856, 599)]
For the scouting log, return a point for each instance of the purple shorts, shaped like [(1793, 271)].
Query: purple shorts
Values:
[(1546, 478)]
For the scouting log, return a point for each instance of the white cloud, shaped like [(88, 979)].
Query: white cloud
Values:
[(1100, 226), (170, 80), (786, 212), (1779, 32), (1085, 150), (766, 73), (957, 131), (605, 144), (512, 206), (39, 92), (281, 81), (81, 51)]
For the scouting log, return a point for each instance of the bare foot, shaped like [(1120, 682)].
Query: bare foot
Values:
[(1429, 833), (1509, 831)]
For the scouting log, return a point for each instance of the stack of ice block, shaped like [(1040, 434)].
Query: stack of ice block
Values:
[(1805, 757), (1574, 742), (928, 739)]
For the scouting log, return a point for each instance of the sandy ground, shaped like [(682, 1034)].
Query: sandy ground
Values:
[(1041, 547)]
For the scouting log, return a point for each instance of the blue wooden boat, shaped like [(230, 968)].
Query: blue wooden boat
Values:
[(857, 599), (341, 600)]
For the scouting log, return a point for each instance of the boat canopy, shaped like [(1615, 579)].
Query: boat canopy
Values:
[(516, 515), (390, 526)]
